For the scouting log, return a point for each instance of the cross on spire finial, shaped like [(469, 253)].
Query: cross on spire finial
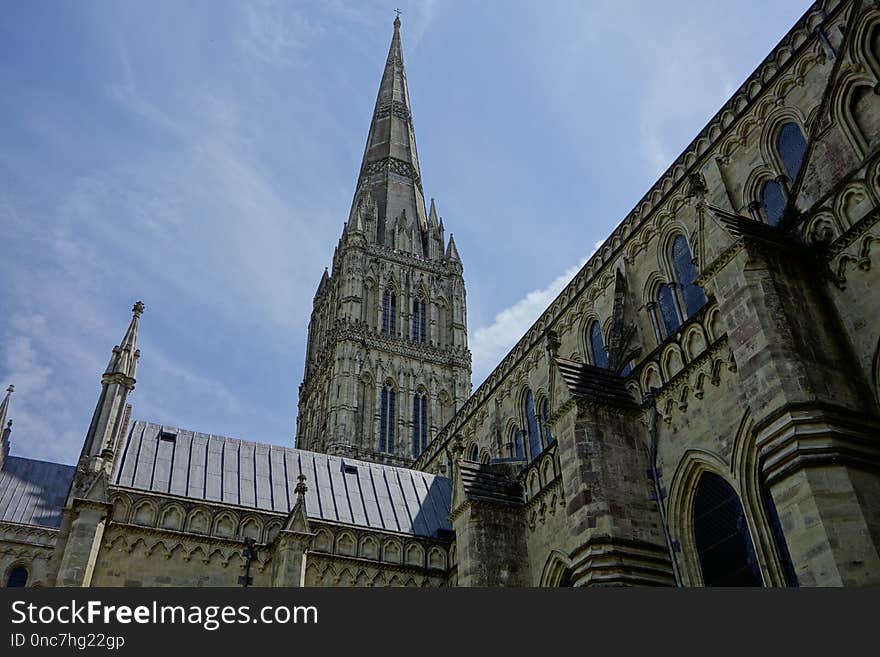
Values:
[(397, 18)]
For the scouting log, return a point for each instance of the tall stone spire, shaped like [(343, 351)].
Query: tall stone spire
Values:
[(387, 361), (389, 172)]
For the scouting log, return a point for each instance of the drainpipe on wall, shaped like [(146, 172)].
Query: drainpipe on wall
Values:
[(658, 491)]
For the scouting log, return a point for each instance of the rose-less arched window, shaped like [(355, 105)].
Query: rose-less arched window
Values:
[(721, 535), (420, 424), (791, 147), (389, 312), (685, 274), (419, 320), (773, 201), (387, 420), (531, 423), (18, 577), (597, 346)]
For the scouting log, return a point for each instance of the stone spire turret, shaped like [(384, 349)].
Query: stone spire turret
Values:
[(5, 426), (390, 166), (452, 250), (116, 384)]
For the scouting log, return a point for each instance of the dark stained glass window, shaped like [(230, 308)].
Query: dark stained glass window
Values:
[(424, 422), (389, 312), (597, 346), (519, 449), (387, 420), (18, 577), (420, 425), (773, 202), (545, 415), (419, 317), (724, 545), (668, 311), (791, 146), (685, 275), (531, 419)]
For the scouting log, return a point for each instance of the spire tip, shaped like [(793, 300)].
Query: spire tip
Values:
[(138, 308)]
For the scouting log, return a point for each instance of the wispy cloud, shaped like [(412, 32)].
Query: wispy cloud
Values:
[(490, 344), (276, 33)]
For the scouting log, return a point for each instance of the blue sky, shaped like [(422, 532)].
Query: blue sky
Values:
[(202, 156)]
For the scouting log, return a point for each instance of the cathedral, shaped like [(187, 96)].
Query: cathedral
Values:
[(699, 406)]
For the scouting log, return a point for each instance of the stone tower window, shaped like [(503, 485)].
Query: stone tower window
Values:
[(420, 424), (387, 419), (389, 312), (419, 320), (721, 535)]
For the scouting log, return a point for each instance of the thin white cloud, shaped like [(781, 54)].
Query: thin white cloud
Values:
[(490, 344), (276, 33)]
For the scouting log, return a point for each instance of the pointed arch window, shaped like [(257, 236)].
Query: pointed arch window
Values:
[(773, 199), (531, 424), (544, 414), (517, 445), (420, 424), (685, 274), (389, 312), (18, 577), (419, 320), (668, 309), (474, 453), (721, 535), (791, 147), (387, 419), (597, 346)]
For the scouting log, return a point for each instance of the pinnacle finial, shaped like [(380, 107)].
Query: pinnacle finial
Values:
[(397, 19), (10, 389), (301, 487), (138, 309)]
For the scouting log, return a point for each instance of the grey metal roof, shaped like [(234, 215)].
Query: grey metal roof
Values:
[(230, 471), (33, 492)]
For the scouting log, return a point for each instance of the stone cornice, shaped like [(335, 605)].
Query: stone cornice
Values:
[(393, 165), (796, 436), (29, 533), (377, 341), (188, 503), (376, 563), (485, 504), (609, 559)]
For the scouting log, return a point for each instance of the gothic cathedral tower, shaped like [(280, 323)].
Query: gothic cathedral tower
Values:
[(387, 362)]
